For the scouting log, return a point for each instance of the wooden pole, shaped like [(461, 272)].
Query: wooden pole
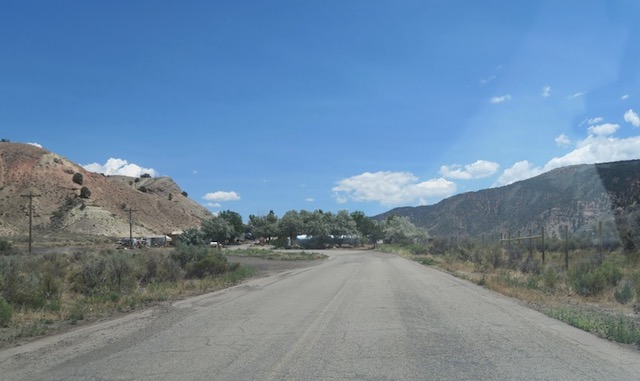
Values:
[(130, 226), (31, 195)]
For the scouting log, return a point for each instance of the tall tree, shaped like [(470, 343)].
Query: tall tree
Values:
[(290, 225), (263, 226), (343, 226), (217, 229), (400, 230), (235, 220)]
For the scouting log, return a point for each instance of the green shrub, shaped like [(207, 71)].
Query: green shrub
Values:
[(532, 282), (90, 278), (142, 189), (531, 266), (635, 277), (76, 313), (418, 249), (587, 280), (624, 294), (77, 178), (119, 271), (183, 253), (612, 273), (550, 278), (5, 247), (213, 264), (85, 192), (5, 312)]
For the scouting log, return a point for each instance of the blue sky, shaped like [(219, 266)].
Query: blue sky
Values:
[(361, 105)]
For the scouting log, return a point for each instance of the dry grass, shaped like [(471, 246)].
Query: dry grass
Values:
[(548, 288)]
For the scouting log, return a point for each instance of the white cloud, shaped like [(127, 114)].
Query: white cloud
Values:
[(596, 120), (603, 129), (120, 167), (576, 95), (310, 199), (36, 144), (213, 205), (500, 99), (220, 196), (546, 91), (477, 170), (391, 188), (626, 96), (563, 140), (598, 149), (519, 171), (632, 117)]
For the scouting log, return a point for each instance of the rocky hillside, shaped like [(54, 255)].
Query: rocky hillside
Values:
[(578, 196), (158, 203)]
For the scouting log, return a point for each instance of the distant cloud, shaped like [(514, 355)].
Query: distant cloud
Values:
[(120, 167), (519, 171), (563, 140), (546, 91), (598, 149), (36, 144), (500, 99), (391, 188), (603, 129), (599, 146), (626, 96), (487, 80), (213, 205), (576, 95), (492, 77), (221, 196), (632, 117), (596, 120), (310, 199), (477, 170)]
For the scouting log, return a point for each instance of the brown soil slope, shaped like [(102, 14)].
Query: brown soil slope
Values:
[(159, 205)]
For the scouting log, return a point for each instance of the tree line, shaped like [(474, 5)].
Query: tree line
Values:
[(321, 229)]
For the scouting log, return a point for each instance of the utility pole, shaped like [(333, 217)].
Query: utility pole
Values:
[(31, 195), (130, 226)]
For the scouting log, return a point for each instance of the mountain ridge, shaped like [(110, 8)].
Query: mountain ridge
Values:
[(578, 196)]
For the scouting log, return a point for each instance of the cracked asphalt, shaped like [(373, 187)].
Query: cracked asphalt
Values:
[(360, 315)]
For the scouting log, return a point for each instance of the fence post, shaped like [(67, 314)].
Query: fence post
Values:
[(566, 247), (530, 243), (542, 235), (600, 252)]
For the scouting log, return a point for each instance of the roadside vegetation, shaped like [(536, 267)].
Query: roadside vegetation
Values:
[(599, 292), (46, 293)]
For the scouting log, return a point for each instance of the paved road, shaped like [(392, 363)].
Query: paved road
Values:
[(358, 316)]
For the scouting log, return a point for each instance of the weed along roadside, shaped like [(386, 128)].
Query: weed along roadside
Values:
[(596, 294), (53, 292)]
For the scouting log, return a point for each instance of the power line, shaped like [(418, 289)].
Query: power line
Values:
[(31, 195)]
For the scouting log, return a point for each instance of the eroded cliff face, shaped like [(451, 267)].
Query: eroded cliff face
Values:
[(160, 207)]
